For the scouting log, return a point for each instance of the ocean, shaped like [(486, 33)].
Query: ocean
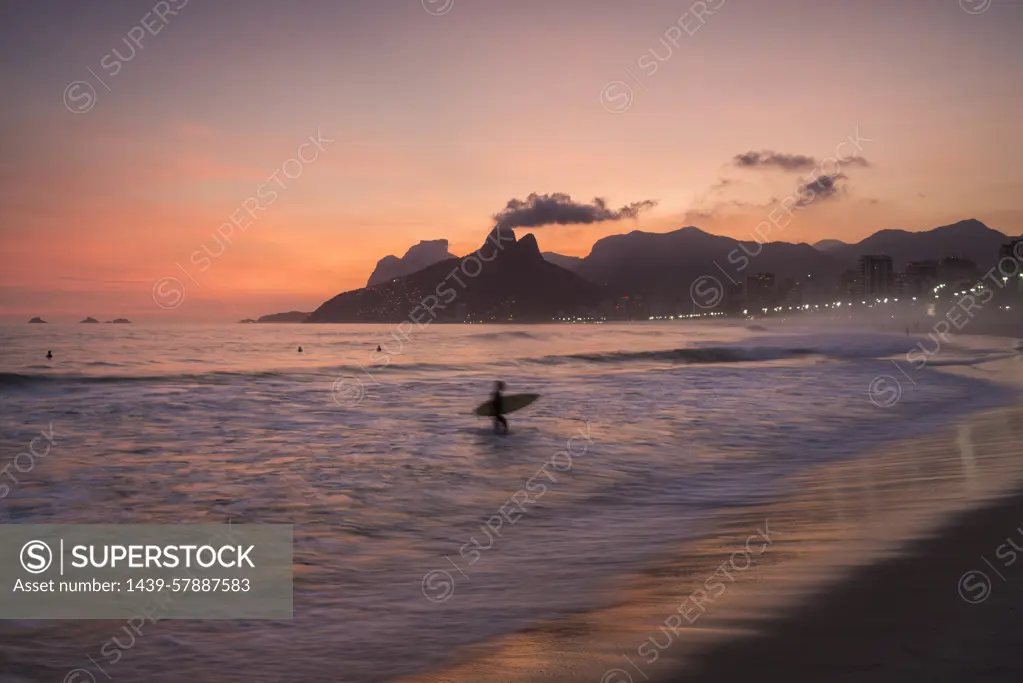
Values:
[(405, 552)]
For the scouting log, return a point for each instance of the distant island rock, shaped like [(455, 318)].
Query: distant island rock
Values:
[(89, 320), (419, 256), (118, 321), (37, 320), (247, 321), (289, 317)]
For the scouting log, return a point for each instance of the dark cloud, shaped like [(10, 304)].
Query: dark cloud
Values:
[(787, 162), (723, 209), (791, 162), (693, 217), (823, 188), (559, 209)]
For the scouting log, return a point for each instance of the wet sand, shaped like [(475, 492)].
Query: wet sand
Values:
[(919, 616)]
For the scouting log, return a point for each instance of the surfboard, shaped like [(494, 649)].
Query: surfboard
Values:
[(512, 402)]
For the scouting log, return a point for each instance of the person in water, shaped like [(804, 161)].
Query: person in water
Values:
[(300, 349), (49, 355), (378, 348), (500, 423)]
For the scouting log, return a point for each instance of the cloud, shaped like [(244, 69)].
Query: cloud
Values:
[(559, 209), (824, 187), (724, 209), (693, 216), (790, 162), (787, 162)]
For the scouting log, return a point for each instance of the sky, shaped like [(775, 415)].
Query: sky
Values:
[(320, 135)]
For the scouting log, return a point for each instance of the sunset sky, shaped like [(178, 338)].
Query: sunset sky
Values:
[(432, 114)]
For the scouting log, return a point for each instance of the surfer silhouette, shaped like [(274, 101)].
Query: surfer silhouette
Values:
[(300, 349), (49, 354), (500, 423)]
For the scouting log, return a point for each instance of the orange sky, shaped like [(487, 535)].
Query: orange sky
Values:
[(435, 122)]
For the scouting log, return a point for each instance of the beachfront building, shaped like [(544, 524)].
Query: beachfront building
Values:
[(790, 292), (957, 268), (877, 276), (1013, 250), (850, 285), (760, 292), (921, 277)]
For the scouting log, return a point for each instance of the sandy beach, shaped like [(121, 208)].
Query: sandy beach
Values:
[(936, 612)]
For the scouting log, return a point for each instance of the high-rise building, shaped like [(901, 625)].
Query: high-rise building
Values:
[(956, 268), (921, 277), (790, 292), (1013, 250), (877, 276), (850, 285), (759, 292)]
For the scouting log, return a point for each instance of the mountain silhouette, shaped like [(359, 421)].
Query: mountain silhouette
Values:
[(517, 282), (505, 280), (829, 245), (566, 262), (969, 239), (418, 256), (664, 265)]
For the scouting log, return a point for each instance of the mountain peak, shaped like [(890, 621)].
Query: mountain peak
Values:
[(418, 256), (829, 245), (500, 236), (515, 284), (969, 239), (428, 249), (528, 245)]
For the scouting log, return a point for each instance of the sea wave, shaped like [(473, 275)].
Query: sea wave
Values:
[(17, 379), (685, 355), (509, 334)]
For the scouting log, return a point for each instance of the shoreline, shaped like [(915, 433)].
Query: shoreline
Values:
[(937, 610), (941, 606)]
